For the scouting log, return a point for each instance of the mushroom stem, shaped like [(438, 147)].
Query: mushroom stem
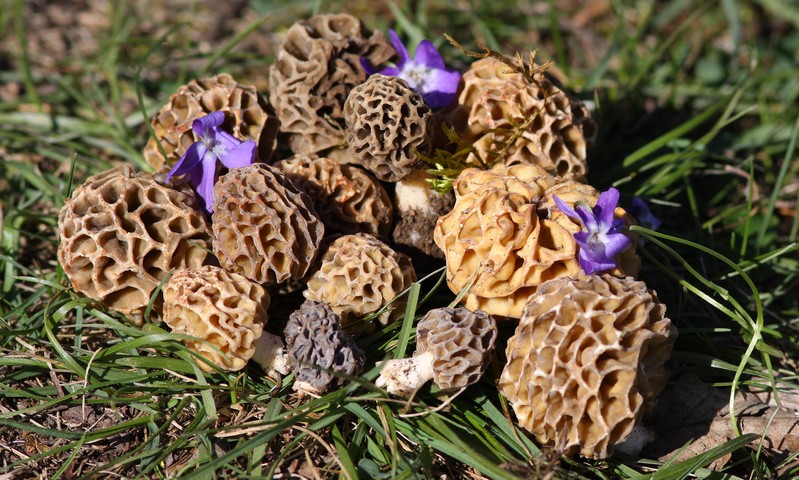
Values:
[(271, 356), (413, 193), (406, 375)]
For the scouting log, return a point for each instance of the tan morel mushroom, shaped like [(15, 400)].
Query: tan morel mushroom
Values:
[(315, 69), (512, 120), (247, 117), (347, 199), (453, 348), (504, 237), (121, 233), (264, 227), (316, 344), (387, 124), (224, 311), (417, 208), (358, 276), (586, 362)]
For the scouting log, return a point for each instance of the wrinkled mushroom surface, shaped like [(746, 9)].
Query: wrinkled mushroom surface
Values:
[(224, 311), (505, 235), (121, 233), (453, 348), (387, 124), (513, 121), (586, 362), (358, 276), (315, 343), (264, 227), (315, 69), (247, 117), (347, 199)]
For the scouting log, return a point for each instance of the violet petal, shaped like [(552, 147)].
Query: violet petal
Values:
[(206, 187), (427, 55), (569, 211), (211, 120), (188, 162), (605, 206), (390, 72), (404, 57), (440, 87), (615, 244), (240, 155)]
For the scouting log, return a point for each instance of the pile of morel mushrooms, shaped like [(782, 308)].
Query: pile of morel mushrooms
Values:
[(359, 162)]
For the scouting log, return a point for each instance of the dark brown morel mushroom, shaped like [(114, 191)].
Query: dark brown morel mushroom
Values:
[(453, 348), (387, 124), (316, 344), (317, 66), (264, 228), (122, 232)]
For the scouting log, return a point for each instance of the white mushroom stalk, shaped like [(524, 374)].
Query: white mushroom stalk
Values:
[(406, 375), (453, 346), (271, 355)]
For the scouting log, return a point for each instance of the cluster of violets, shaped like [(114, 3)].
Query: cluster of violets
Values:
[(600, 241)]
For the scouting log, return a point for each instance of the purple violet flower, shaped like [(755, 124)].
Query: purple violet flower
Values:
[(645, 217), (200, 158), (602, 239), (425, 73)]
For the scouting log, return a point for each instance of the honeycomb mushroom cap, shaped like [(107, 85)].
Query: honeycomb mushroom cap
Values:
[(315, 343), (358, 276), (315, 69), (220, 308), (387, 123), (504, 236), (461, 342), (347, 199), (122, 232), (586, 362), (264, 227), (557, 129), (247, 117)]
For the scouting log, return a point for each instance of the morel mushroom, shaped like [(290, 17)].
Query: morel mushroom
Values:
[(247, 117), (347, 199), (387, 124), (316, 344), (417, 209), (224, 311), (264, 228), (121, 233), (358, 276), (504, 237), (453, 348), (512, 120), (317, 66), (586, 362)]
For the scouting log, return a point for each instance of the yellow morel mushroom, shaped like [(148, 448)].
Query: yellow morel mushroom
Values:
[(504, 237), (122, 232), (513, 120), (225, 311), (453, 348), (247, 117), (264, 227), (315, 69), (586, 362), (360, 275), (347, 199)]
